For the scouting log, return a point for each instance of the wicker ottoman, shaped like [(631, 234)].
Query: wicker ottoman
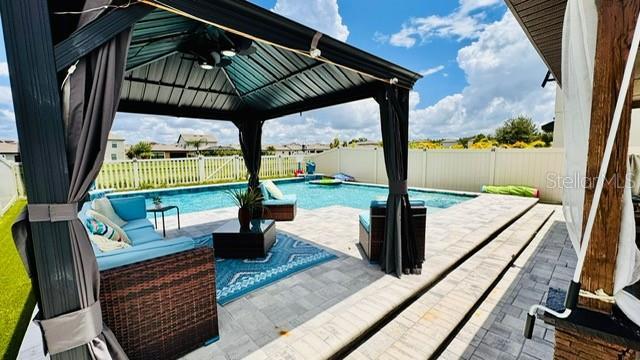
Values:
[(372, 228)]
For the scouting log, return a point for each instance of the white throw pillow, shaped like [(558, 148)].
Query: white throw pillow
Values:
[(106, 245), (96, 215), (273, 190), (104, 207)]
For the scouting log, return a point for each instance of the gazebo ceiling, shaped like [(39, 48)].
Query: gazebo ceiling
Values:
[(167, 76)]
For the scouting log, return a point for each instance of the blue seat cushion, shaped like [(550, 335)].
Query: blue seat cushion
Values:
[(137, 224), (143, 236), (364, 219), (130, 208), (382, 203), (288, 199), (138, 253)]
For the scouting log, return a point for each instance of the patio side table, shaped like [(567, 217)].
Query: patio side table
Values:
[(232, 242), (162, 210)]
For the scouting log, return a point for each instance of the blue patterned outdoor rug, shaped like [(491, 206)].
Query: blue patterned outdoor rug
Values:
[(289, 255)]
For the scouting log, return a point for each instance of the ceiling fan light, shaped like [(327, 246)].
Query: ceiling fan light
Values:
[(205, 66), (229, 52)]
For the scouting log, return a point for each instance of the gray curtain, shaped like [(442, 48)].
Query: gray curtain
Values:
[(90, 99), (250, 134), (399, 251)]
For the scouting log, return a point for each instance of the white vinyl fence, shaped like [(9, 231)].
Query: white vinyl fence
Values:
[(10, 185), (462, 170), (134, 174)]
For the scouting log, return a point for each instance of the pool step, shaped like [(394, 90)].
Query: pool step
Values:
[(424, 328)]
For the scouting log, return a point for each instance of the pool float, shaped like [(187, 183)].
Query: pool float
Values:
[(326, 182), (518, 190)]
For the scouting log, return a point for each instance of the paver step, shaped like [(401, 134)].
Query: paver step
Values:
[(421, 330)]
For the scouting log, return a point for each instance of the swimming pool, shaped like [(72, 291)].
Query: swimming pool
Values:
[(310, 196)]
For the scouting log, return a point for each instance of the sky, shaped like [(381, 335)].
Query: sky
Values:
[(479, 69)]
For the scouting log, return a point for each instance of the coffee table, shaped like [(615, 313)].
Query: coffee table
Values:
[(232, 242)]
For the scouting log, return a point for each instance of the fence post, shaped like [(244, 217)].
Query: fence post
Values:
[(236, 167), (492, 167), (279, 165), (424, 167), (136, 173), (201, 174), (375, 165)]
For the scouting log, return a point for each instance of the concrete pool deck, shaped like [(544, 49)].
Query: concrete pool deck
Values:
[(319, 312)]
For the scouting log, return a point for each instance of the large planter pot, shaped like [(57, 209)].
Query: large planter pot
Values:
[(244, 217)]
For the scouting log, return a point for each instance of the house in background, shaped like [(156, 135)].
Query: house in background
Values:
[(207, 140), (169, 151), (115, 148), (9, 150), (369, 144), (295, 149)]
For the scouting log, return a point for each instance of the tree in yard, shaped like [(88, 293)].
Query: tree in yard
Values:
[(141, 150), (335, 143), (517, 129), (196, 144)]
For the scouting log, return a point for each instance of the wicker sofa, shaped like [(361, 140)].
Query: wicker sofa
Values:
[(372, 227), (158, 296)]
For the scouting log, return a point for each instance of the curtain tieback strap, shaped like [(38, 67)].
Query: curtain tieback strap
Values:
[(52, 212), (398, 187), (73, 329)]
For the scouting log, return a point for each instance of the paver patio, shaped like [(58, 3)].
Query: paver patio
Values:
[(314, 313)]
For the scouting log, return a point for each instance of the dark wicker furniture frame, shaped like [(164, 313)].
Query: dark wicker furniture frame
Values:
[(371, 240), (280, 212), (162, 308)]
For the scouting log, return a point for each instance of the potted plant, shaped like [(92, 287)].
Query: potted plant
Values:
[(248, 201), (157, 201)]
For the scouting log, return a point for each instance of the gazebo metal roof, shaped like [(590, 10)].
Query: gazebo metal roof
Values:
[(280, 78)]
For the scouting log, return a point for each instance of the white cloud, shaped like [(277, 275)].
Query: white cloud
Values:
[(5, 95), (322, 15), (165, 129), (466, 22), (497, 89), (4, 69), (431, 71), (8, 125), (381, 38)]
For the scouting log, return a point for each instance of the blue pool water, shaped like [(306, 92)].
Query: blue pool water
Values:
[(310, 196)]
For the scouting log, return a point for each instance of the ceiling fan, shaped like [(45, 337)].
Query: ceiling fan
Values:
[(214, 48)]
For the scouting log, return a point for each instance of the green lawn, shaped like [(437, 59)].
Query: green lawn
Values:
[(16, 299)]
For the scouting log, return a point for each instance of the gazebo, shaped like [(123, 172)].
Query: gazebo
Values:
[(73, 64)]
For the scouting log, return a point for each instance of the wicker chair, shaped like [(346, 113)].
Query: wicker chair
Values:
[(162, 308), (372, 228)]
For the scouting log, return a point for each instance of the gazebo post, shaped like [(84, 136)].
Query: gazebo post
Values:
[(616, 23), (38, 111)]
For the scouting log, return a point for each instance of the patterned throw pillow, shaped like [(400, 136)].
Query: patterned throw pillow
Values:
[(97, 227), (103, 219)]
